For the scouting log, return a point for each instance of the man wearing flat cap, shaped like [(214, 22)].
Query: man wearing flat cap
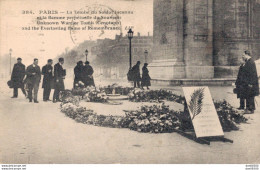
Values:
[(17, 77)]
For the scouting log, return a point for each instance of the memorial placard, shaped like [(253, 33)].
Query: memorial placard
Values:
[(202, 111)]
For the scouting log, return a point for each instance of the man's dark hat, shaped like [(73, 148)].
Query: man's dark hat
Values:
[(79, 62), (247, 52), (61, 59)]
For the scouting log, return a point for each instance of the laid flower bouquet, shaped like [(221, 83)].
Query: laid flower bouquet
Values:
[(228, 116), (139, 95), (68, 97), (115, 89), (153, 119), (91, 94), (95, 95), (81, 91), (72, 110), (80, 84)]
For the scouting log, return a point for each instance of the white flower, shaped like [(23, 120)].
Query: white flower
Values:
[(146, 122), (131, 95), (162, 116), (143, 115), (168, 122)]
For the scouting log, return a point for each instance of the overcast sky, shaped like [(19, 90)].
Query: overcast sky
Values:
[(30, 44)]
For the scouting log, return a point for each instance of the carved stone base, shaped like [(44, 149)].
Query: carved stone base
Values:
[(166, 69), (172, 69)]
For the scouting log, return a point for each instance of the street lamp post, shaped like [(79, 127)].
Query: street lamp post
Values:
[(10, 52), (130, 36), (145, 56), (86, 53)]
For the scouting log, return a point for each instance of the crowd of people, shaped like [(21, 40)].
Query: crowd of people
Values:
[(135, 76), (84, 74), (28, 79)]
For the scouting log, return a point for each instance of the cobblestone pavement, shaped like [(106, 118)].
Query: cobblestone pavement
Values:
[(40, 133)]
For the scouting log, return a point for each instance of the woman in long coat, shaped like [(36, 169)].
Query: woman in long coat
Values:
[(87, 76), (145, 77)]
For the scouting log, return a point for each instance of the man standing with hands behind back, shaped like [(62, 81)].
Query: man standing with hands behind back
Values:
[(33, 73), (59, 75), (47, 71)]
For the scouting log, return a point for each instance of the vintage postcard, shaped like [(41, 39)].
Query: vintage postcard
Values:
[(130, 82)]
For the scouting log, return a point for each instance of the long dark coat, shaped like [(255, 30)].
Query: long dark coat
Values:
[(47, 72), (78, 71), (241, 83), (136, 73), (87, 76), (247, 76), (59, 74), (30, 78), (251, 78), (18, 74), (145, 77)]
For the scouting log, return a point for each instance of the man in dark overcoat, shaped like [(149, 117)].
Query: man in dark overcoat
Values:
[(47, 72), (250, 81), (17, 77), (33, 79), (241, 85), (59, 76), (78, 72), (136, 74), (87, 76)]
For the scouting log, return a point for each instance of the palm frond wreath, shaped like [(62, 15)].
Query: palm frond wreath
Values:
[(195, 104)]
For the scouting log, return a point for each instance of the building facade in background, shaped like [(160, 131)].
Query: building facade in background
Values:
[(112, 55), (203, 39)]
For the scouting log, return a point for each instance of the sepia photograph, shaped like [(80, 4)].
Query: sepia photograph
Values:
[(129, 82)]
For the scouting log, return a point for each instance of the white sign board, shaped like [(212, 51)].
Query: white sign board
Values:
[(202, 111)]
